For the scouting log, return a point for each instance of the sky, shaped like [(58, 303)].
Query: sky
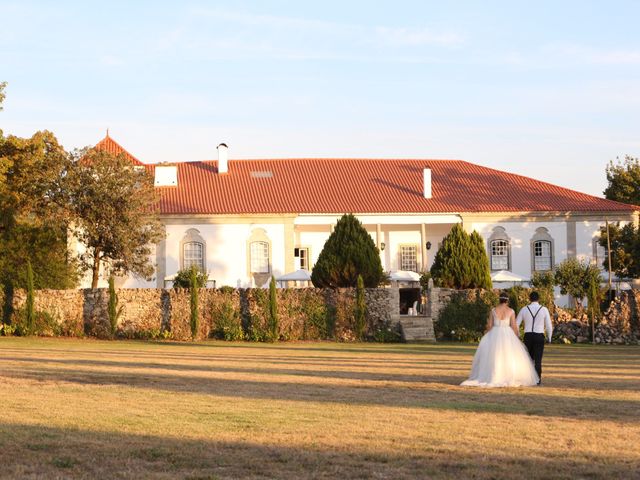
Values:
[(546, 89)]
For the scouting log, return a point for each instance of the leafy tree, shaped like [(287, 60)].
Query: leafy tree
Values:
[(348, 252), (273, 310), (544, 282), (625, 249), (183, 278), (195, 317), (623, 179), (361, 310), (575, 277), (33, 211), (461, 261), (2, 94), (114, 209)]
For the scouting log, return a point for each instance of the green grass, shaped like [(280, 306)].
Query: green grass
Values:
[(91, 409)]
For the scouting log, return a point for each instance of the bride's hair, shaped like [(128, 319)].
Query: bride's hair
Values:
[(504, 297)]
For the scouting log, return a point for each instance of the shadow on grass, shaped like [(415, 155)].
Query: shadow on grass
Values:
[(44, 452)]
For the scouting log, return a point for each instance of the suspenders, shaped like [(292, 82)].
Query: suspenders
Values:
[(533, 317)]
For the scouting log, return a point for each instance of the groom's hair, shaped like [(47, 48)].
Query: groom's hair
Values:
[(533, 296)]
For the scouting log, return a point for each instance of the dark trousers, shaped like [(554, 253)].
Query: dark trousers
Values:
[(535, 344)]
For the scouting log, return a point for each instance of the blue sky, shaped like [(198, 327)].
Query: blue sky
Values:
[(545, 89)]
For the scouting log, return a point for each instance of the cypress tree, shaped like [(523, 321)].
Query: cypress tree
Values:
[(30, 312), (361, 310), (195, 319), (113, 306), (481, 274), (451, 267), (348, 252), (273, 310)]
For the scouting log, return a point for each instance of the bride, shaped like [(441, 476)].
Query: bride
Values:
[(501, 359)]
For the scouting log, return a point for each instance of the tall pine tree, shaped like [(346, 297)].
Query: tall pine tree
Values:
[(461, 261), (348, 252)]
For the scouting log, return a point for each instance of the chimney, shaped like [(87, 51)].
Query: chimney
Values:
[(223, 159), (426, 175)]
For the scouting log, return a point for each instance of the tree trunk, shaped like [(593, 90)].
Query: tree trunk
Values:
[(96, 268)]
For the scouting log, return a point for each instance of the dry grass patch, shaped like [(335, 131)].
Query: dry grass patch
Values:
[(87, 409)]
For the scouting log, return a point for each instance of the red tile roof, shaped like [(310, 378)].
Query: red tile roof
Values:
[(113, 147), (350, 185)]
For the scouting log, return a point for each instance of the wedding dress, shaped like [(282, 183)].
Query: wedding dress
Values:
[(501, 359)]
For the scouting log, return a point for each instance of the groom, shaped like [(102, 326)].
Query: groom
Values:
[(536, 320)]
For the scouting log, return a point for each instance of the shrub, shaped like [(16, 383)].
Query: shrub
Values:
[(195, 317), (42, 324), (360, 319), (227, 323), (259, 319), (544, 282), (464, 320), (348, 252), (183, 277), (226, 289), (385, 334)]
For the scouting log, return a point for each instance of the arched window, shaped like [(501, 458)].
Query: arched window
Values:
[(259, 257), (541, 251), (500, 250), (193, 250)]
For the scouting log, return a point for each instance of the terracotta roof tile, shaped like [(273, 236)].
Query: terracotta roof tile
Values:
[(113, 147), (350, 185)]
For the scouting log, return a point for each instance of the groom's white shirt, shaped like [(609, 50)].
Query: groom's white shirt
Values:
[(543, 319)]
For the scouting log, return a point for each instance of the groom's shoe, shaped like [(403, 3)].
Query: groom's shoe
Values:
[(539, 383)]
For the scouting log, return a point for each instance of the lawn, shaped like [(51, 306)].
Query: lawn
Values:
[(92, 409)]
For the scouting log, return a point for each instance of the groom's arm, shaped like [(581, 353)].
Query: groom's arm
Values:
[(519, 318), (547, 324)]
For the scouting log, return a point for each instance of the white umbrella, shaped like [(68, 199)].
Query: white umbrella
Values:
[(506, 276), (404, 276), (301, 275)]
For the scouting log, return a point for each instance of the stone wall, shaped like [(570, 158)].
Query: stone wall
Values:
[(304, 314)]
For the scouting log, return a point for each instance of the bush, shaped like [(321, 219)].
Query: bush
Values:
[(348, 252), (385, 334), (42, 324), (183, 278), (463, 320), (226, 289), (273, 311), (112, 308), (227, 323)]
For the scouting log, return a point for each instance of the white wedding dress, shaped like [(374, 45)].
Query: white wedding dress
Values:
[(501, 359)]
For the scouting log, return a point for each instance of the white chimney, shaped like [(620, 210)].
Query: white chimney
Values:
[(223, 159), (426, 174)]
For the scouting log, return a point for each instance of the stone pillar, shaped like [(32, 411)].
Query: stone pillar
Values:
[(423, 246)]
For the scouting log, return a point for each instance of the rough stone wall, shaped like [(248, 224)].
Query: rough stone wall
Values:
[(304, 314)]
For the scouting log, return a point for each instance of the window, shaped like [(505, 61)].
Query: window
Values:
[(542, 255), (499, 249), (302, 255), (599, 253), (193, 250), (499, 255), (193, 254), (409, 258), (259, 257), (541, 251)]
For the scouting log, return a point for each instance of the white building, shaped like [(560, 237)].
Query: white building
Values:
[(245, 220)]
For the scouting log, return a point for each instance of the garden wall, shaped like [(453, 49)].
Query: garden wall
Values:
[(304, 314)]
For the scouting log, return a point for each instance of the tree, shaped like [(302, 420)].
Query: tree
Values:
[(30, 314), (112, 307), (114, 209), (625, 249), (348, 252), (544, 282), (33, 212), (2, 94), (361, 310), (461, 261), (480, 271), (575, 278), (273, 310), (195, 316), (623, 179)]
